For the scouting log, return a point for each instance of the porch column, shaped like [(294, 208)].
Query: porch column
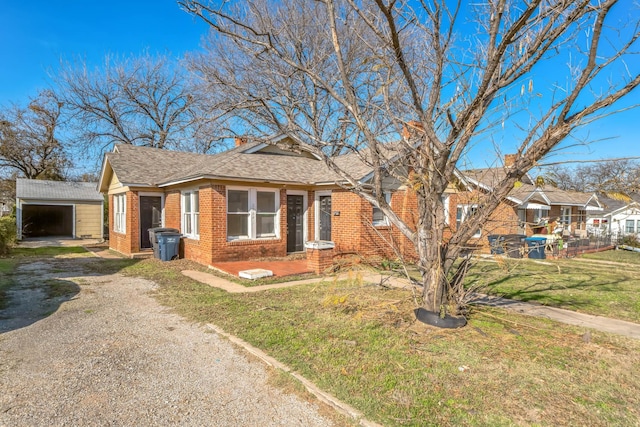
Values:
[(319, 256)]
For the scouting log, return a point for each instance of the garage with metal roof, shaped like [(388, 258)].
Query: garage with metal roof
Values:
[(58, 209)]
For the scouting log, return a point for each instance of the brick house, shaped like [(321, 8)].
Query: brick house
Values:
[(531, 209), (255, 200), (259, 200)]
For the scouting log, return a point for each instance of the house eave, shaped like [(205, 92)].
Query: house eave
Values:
[(229, 178)]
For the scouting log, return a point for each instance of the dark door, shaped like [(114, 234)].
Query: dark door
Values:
[(295, 227), (325, 218), (150, 217)]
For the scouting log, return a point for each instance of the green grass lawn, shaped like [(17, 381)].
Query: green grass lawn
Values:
[(623, 256), (594, 287), (361, 343)]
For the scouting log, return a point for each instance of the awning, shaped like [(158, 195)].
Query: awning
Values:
[(536, 206)]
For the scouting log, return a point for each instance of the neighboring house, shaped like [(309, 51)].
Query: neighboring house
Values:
[(61, 209), (618, 218), (531, 209), (256, 200), (260, 200)]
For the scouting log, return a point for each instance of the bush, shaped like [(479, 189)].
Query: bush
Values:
[(7, 233), (631, 240)]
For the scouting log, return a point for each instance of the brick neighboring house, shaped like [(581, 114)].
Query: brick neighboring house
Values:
[(530, 209), (255, 200)]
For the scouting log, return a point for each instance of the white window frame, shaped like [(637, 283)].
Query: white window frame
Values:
[(193, 216), (384, 222), (120, 213), (466, 211), (253, 213), (628, 230), (445, 204)]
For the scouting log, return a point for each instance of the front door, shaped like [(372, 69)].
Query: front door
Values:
[(295, 224), (150, 217), (325, 218)]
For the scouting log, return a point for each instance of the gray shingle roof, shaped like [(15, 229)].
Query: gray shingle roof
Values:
[(57, 190), (491, 176), (148, 166)]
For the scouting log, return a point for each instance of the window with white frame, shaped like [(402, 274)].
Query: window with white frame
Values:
[(630, 226), (445, 205), (463, 212), (119, 213), (252, 213), (191, 213), (379, 218), (566, 215)]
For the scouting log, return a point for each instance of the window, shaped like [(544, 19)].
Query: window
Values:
[(463, 212), (566, 215), (630, 225), (119, 213), (252, 213), (191, 214), (445, 205), (379, 218)]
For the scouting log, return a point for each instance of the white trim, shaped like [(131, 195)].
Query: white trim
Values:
[(253, 210), (305, 208), (465, 212), (191, 192), (316, 211), (536, 206), (123, 223), (384, 222)]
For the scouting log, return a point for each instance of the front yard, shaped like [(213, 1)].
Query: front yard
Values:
[(604, 284), (360, 342)]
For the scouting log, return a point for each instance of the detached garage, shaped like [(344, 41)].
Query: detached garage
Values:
[(61, 209)]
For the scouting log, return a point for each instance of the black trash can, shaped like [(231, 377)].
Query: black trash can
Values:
[(168, 245), (153, 238), (514, 245), (536, 247), (496, 244)]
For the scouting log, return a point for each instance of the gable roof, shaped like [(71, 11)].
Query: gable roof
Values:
[(527, 191), (57, 190), (253, 161), (610, 205)]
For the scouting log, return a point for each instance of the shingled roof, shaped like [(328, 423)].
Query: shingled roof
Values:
[(143, 166), (57, 190), (526, 191)]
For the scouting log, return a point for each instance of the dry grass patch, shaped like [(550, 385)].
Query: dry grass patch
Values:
[(361, 343)]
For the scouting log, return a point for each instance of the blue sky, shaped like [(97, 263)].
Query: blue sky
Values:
[(35, 35)]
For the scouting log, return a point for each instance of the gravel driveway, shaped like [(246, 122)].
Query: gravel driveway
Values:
[(111, 355)]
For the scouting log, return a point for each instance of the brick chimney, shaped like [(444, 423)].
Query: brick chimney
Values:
[(410, 128), (240, 141), (510, 160)]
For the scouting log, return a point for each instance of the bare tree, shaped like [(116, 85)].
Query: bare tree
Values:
[(620, 176), (145, 100), (29, 143), (342, 76)]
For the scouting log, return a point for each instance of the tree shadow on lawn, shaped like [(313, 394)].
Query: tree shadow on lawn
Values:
[(39, 285), (28, 302), (554, 294)]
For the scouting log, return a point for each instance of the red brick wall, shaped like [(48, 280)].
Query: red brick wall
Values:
[(353, 232), (128, 243)]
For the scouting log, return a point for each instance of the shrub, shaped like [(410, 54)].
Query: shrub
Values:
[(631, 240), (7, 233)]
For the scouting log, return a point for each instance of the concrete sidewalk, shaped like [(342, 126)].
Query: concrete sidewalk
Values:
[(598, 323)]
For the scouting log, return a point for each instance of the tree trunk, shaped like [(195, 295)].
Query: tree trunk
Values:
[(431, 259)]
